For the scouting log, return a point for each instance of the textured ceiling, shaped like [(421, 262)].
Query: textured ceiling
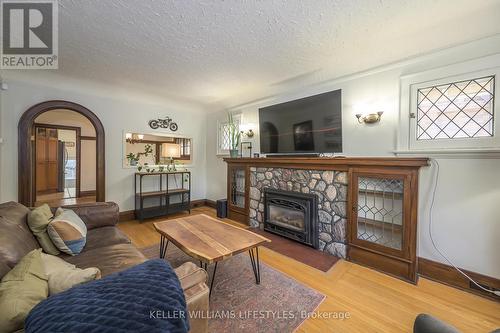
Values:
[(212, 51)]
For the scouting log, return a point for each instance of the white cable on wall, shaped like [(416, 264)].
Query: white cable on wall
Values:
[(436, 178)]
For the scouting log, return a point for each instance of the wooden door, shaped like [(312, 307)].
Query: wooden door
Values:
[(46, 147), (41, 159), (383, 221), (237, 192)]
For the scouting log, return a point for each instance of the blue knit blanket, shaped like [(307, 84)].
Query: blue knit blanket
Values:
[(144, 298)]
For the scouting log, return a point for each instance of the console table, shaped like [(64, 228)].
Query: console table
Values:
[(368, 205), (165, 199)]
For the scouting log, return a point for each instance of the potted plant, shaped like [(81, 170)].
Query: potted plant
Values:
[(234, 136), (133, 159)]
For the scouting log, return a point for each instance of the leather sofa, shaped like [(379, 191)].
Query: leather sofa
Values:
[(107, 248)]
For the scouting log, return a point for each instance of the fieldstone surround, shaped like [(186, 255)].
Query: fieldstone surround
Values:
[(330, 188)]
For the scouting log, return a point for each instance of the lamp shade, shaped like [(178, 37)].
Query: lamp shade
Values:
[(170, 150)]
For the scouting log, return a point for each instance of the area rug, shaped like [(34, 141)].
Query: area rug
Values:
[(237, 304)]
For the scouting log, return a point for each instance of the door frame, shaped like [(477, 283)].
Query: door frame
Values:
[(26, 195), (78, 151)]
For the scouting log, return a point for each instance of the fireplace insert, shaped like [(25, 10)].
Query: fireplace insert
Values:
[(292, 215)]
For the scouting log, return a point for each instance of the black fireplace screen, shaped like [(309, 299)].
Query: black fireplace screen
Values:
[(287, 217), (292, 215)]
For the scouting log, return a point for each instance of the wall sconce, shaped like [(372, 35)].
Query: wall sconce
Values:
[(369, 118), (133, 138), (246, 130), (248, 134)]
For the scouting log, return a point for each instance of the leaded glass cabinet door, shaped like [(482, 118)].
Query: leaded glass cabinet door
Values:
[(383, 221), (237, 187)]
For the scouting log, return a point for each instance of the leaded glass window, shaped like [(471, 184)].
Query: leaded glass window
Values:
[(223, 135), (462, 109)]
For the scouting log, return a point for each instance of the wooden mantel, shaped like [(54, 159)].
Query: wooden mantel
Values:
[(326, 163)]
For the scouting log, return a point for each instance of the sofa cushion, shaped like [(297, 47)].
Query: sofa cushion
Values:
[(16, 241), (68, 232), (105, 236), (62, 275), (109, 259), (21, 289), (38, 220), (97, 214), (15, 212)]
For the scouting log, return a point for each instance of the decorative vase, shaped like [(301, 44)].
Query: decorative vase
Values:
[(233, 153)]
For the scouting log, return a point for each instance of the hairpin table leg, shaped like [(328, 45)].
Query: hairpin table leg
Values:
[(254, 258), (163, 246)]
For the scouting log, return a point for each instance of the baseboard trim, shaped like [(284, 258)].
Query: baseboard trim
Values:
[(448, 275), (88, 193), (210, 203), (198, 203), (128, 215)]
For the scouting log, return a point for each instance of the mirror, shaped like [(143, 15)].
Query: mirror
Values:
[(147, 150)]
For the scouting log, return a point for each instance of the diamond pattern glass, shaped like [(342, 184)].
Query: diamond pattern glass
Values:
[(456, 110), (224, 140), (238, 188), (380, 211), (224, 137)]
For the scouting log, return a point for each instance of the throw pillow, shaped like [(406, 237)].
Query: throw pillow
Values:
[(68, 232), (20, 290), (59, 211), (38, 219), (62, 275)]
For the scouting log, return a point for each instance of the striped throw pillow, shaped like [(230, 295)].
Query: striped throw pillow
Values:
[(68, 232)]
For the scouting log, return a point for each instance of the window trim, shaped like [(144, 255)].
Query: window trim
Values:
[(407, 142)]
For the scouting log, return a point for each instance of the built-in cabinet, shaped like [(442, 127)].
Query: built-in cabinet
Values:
[(383, 220), (381, 205), (238, 187)]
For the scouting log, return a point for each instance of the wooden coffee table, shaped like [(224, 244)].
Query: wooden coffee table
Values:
[(210, 241)]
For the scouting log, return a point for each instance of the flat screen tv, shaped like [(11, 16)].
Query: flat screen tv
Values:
[(310, 125)]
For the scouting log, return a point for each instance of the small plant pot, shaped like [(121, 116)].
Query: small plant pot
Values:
[(233, 153)]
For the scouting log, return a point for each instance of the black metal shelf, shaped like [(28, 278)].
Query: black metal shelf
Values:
[(157, 203)]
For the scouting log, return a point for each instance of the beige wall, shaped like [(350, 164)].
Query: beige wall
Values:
[(88, 165)]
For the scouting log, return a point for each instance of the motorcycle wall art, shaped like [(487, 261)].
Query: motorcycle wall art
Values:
[(163, 123)]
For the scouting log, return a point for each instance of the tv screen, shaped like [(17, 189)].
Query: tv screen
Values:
[(309, 125)]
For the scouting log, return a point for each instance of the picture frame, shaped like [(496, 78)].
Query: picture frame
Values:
[(246, 149)]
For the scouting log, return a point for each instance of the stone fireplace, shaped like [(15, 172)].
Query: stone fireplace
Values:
[(292, 215), (330, 190)]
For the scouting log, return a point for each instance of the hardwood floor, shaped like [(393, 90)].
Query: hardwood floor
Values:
[(58, 200), (375, 301)]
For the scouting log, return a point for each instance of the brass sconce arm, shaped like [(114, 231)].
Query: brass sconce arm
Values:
[(370, 118), (248, 134)]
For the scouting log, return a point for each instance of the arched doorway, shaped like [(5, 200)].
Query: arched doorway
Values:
[(26, 175)]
